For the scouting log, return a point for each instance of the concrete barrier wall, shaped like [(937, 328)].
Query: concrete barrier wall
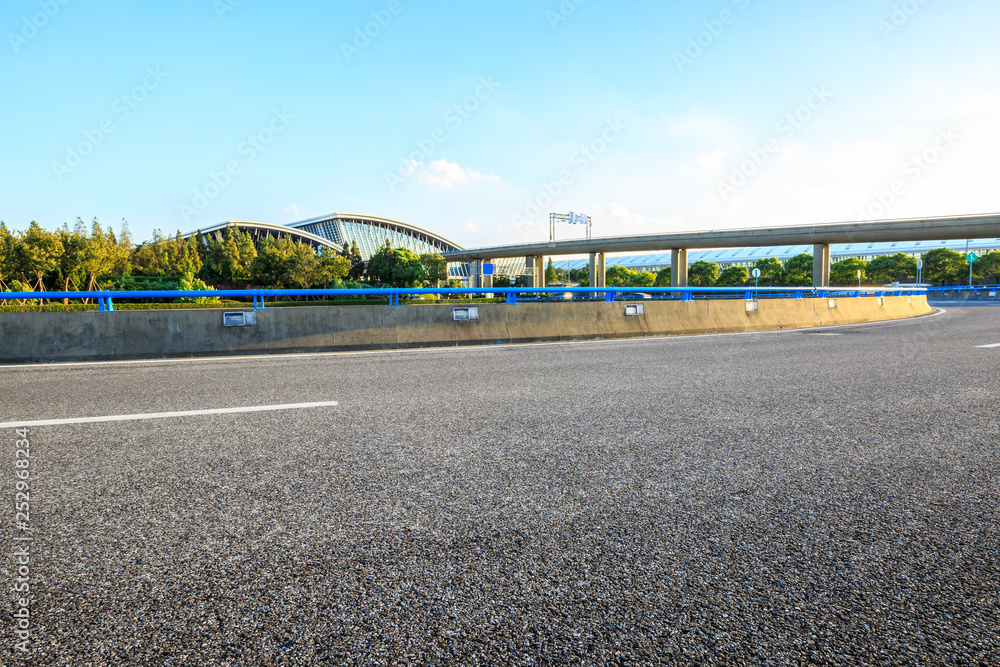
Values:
[(42, 337)]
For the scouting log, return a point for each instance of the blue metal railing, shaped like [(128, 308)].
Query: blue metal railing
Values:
[(512, 294), (964, 288)]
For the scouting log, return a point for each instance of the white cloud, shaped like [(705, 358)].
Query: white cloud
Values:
[(470, 226), (977, 103), (522, 230), (615, 219), (444, 174), (291, 208), (710, 162)]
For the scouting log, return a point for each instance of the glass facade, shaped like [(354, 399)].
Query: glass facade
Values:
[(372, 233)]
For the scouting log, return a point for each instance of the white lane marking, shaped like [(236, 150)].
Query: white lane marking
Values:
[(993, 345), (288, 356), (164, 415)]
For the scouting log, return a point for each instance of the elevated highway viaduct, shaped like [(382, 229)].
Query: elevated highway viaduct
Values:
[(820, 236)]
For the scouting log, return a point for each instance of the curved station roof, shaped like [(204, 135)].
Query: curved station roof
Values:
[(340, 230), (259, 230), (371, 232)]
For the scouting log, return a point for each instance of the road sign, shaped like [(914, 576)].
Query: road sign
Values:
[(487, 269), (971, 257), (920, 263), (755, 273)]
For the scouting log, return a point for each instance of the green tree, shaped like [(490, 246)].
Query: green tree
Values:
[(8, 241), (733, 276), (191, 284), (271, 266), (303, 267), (502, 280), (74, 244), (100, 254), (353, 255), (123, 247), (35, 254), (642, 279), (618, 276), (551, 276), (891, 268), (799, 270), (333, 268), (703, 274), (150, 257), (408, 271), (238, 253), (943, 265), (436, 267), (986, 270), (663, 277), (380, 264), (396, 266), (845, 272), (771, 271)]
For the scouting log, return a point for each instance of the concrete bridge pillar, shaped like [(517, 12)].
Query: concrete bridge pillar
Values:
[(678, 268), (536, 270), (821, 265), (597, 278)]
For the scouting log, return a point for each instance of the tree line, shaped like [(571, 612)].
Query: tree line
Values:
[(84, 258), (88, 257)]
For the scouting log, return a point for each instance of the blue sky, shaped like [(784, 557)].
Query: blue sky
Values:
[(476, 120)]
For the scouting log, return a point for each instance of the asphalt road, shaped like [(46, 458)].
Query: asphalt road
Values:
[(781, 498)]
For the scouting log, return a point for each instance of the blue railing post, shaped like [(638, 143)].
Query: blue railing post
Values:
[(609, 297), (688, 296)]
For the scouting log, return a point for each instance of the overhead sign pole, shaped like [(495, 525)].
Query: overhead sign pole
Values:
[(571, 218)]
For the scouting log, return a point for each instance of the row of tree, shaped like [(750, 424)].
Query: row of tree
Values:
[(941, 265), (80, 258), (87, 258)]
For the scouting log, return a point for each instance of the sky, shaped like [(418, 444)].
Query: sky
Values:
[(478, 120)]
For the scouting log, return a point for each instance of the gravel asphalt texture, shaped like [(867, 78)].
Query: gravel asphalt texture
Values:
[(820, 497)]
